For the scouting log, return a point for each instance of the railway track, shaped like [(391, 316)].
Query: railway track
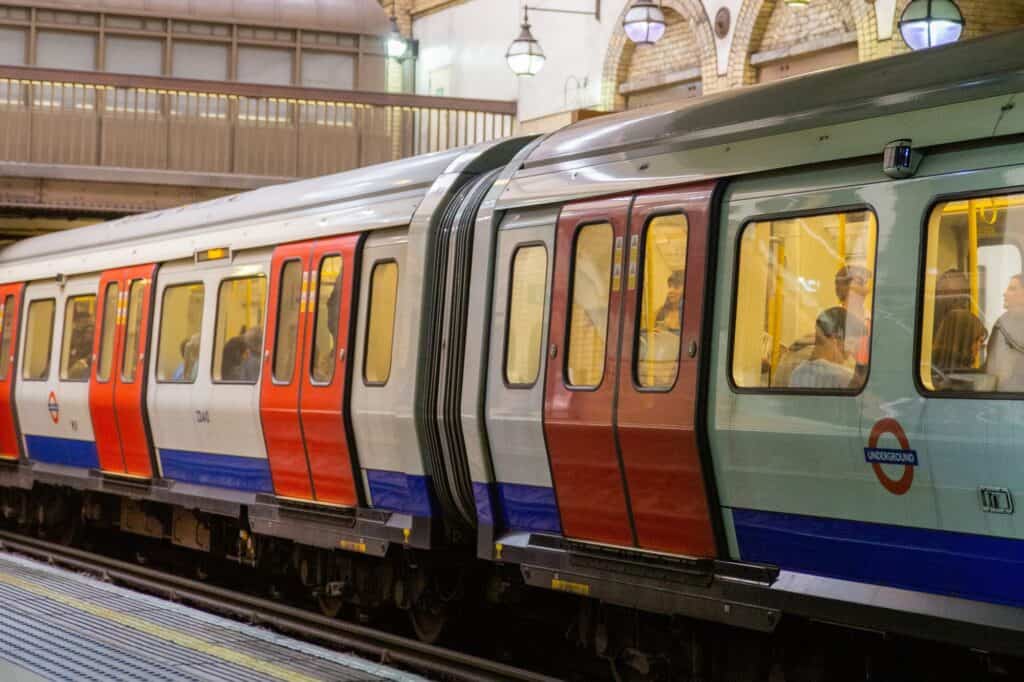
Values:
[(369, 642)]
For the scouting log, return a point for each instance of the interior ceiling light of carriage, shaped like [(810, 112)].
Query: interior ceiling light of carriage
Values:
[(930, 23), (525, 56)]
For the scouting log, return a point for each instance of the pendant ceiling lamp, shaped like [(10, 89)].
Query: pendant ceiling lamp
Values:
[(644, 23), (524, 55), (930, 23), (396, 45)]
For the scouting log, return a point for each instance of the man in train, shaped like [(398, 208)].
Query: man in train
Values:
[(828, 366)]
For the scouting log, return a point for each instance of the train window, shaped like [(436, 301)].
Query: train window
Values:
[(288, 303), (133, 328), (38, 340), (527, 291), (238, 340), (972, 324), (803, 303), (107, 328), (6, 336), (79, 329), (591, 288), (380, 327), (660, 318), (325, 339), (181, 320)]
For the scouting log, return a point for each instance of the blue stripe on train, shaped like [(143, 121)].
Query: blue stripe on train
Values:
[(220, 471), (519, 507), (64, 451), (942, 562), (400, 492)]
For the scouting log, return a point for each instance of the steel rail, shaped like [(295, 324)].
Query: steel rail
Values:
[(386, 647)]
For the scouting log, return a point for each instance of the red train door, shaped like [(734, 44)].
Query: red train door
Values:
[(10, 315), (579, 391), (331, 464), (280, 393), (664, 294), (118, 380), (302, 396)]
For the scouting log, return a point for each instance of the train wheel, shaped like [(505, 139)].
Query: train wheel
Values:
[(428, 620), (330, 606)]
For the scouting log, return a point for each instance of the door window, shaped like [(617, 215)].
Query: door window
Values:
[(38, 339), (107, 328), (528, 288), (660, 318), (591, 289), (972, 322), (133, 329), (238, 343), (79, 330), (803, 303), (288, 303), (380, 326), (6, 336), (181, 320), (325, 336)]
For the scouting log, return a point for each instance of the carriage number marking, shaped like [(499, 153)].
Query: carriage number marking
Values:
[(202, 416)]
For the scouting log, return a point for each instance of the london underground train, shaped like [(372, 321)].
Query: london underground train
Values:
[(755, 360)]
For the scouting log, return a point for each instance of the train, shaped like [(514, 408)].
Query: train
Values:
[(738, 362)]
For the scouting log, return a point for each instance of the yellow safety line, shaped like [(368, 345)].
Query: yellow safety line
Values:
[(166, 634)]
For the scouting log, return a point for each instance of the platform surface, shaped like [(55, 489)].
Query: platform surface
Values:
[(59, 625)]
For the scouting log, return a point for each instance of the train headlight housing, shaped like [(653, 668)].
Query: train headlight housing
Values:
[(930, 23)]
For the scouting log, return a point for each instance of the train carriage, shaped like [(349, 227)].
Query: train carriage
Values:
[(738, 361)]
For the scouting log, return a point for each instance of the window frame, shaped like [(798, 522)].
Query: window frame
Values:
[(571, 290), (64, 332), (49, 348), (263, 334), (508, 309), (915, 369), (277, 325), (113, 339), (734, 299), (637, 309), (142, 325), (369, 311), (160, 331), (313, 381), (9, 357)]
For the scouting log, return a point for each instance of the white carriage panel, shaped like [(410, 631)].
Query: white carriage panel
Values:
[(391, 478), (515, 415), (54, 415), (205, 432)]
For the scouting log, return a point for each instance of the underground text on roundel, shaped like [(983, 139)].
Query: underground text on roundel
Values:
[(890, 456)]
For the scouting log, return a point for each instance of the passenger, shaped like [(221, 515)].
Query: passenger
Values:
[(957, 346), (828, 366), (231, 359), (952, 292), (852, 286), (186, 370), (1006, 343), (250, 368), (670, 315), (80, 352)]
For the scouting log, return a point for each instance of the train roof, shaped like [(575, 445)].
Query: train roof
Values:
[(605, 150), (406, 180)]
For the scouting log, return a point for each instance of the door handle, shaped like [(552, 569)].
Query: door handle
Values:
[(341, 355), (553, 352), (692, 349)]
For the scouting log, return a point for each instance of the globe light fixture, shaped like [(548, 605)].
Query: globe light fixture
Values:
[(524, 55), (930, 23), (397, 45), (644, 23)]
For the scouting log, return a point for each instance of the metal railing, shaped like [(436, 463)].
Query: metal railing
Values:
[(98, 119)]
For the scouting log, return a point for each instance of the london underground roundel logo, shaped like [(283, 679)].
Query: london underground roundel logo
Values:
[(904, 456), (53, 407)]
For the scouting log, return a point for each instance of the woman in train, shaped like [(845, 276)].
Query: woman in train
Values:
[(957, 347), (1006, 343)]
